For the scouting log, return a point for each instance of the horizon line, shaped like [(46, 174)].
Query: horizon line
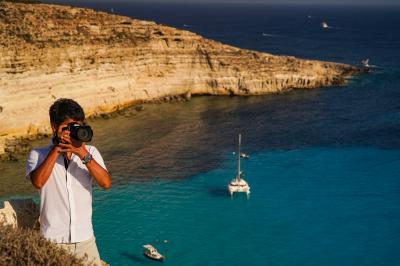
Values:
[(227, 2)]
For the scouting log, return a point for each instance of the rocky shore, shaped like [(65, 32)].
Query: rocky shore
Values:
[(108, 62)]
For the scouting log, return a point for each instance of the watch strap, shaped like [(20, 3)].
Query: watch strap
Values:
[(87, 158)]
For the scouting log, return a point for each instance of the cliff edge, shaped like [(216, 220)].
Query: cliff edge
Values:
[(107, 62)]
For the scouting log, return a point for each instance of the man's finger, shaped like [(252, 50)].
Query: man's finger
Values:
[(65, 145), (66, 139)]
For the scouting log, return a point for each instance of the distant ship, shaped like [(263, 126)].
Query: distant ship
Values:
[(238, 184), (324, 25)]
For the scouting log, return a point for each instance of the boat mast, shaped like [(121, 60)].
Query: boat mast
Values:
[(238, 173)]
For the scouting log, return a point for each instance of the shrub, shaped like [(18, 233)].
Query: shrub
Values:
[(28, 247)]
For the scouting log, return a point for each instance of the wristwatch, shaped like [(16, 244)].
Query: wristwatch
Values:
[(87, 158)]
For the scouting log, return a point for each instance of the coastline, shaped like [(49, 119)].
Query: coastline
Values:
[(19, 145), (108, 62)]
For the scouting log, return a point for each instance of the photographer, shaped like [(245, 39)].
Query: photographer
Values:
[(63, 172)]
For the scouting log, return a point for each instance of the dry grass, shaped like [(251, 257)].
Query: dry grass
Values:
[(28, 247)]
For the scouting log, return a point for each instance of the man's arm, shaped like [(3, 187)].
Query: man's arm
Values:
[(97, 171), (40, 175)]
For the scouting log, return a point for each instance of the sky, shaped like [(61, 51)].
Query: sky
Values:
[(298, 2)]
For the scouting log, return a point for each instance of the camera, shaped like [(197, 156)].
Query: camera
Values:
[(79, 132)]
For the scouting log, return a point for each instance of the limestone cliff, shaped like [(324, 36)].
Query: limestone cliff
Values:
[(107, 62)]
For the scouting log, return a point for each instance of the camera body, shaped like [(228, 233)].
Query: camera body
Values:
[(79, 132)]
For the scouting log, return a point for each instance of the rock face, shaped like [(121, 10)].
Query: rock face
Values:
[(23, 213), (107, 62)]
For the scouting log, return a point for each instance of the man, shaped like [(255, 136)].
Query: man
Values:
[(63, 172)]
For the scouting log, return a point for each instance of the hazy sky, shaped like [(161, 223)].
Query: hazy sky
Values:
[(318, 2)]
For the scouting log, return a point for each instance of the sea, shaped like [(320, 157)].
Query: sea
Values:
[(324, 166)]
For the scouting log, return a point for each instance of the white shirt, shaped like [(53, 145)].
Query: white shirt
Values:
[(66, 197)]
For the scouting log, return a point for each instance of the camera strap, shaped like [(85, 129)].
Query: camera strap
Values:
[(66, 162)]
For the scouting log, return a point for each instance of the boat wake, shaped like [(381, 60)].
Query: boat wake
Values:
[(269, 35)]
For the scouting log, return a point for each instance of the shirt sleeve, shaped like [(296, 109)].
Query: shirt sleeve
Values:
[(32, 163), (97, 157)]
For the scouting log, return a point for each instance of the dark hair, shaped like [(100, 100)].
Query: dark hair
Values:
[(65, 108)]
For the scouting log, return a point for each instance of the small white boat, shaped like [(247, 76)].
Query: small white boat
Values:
[(238, 184), (366, 67), (244, 155), (324, 25), (365, 62), (152, 253)]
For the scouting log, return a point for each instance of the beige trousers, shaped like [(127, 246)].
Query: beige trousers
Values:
[(85, 247)]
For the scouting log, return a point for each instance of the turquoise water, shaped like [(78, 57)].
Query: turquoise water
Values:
[(307, 207)]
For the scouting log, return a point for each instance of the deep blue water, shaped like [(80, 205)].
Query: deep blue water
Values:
[(324, 167)]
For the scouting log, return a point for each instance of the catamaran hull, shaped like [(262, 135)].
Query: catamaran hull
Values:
[(238, 187)]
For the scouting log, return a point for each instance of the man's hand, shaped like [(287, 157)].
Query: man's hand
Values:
[(68, 144)]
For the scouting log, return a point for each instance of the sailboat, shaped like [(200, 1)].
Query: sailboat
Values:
[(238, 184)]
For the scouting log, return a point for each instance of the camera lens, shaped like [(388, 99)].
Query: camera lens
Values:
[(84, 134)]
